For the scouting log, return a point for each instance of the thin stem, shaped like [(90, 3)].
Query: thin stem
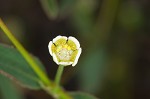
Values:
[(25, 54), (58, 75)]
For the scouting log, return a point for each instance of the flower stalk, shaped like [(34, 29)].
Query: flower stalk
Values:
[(58, 75)]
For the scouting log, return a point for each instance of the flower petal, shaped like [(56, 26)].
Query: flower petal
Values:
[(73, 43), (60, 40), (56, 38), (77, 57), (65, 63), (50, 47), (55, 59)]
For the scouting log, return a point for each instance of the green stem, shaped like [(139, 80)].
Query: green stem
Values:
[(25, 54), (58, 75)]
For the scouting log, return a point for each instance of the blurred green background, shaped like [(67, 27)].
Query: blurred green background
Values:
[(114, 36)]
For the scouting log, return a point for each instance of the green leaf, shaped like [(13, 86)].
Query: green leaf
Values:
[(81, 95), (8, 90), (15, 67), (83, 16), (92, 70), (50, 7)]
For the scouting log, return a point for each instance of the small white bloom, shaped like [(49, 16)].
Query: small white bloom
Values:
[(65, 51)]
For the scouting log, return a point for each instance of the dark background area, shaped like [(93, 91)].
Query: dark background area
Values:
[(114, 36)]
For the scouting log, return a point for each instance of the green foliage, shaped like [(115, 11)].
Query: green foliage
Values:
[(50, 7), (8, 90), (102, 23), (15, 67), (81, 95), (21, 67), (92, 70), (83, 16)]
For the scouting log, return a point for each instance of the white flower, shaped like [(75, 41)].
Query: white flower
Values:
[(65, 51)]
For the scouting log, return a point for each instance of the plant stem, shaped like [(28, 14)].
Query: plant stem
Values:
[(25, 54), (58, 75)]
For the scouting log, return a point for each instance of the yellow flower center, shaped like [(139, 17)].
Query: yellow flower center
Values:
[(64, 52)]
